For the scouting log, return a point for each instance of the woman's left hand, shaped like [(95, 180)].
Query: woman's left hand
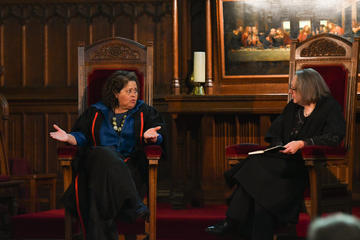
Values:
[(150, 136), (293, 146)]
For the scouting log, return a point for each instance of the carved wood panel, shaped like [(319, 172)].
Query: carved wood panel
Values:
[(323, 47), (38, 49), (39, 39)]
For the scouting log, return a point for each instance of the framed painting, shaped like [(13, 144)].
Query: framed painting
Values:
[(255, 35)]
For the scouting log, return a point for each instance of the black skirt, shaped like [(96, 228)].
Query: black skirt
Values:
[(275, 181), (105, 175)]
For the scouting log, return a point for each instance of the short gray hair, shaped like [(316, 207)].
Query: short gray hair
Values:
[(334, 227), (311, 86)]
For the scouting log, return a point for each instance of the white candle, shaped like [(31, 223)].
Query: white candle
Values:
[(199, 66)]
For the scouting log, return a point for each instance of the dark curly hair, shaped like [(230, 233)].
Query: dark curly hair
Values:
[(117, 81)]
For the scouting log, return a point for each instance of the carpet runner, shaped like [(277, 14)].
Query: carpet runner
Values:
[(172, 224)]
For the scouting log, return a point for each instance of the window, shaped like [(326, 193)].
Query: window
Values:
[(286, 26), (304, 23)]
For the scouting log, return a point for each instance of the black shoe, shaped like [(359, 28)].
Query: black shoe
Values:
[(220, 228), (143, 212)]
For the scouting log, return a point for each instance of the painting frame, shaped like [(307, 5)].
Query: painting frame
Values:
[(257, 58), (233, 78)]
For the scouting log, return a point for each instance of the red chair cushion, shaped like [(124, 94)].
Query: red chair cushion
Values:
[(66, 151), (70, 151), (307, 151), (4, 178), (240, 150), (325, 152), (153, 151)]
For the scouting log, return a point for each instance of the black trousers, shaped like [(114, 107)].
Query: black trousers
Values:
[(98, 228), (252, 220), (112, 194)]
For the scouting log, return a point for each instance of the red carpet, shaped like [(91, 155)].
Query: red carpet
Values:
[(172, 224)]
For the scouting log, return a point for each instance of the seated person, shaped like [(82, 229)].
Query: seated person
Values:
[(270, 187), (269, 40), (236, 36), (337, 226), (305, 33), (111, 163)]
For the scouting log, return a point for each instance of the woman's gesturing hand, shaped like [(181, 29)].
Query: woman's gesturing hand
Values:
[(62, 136), (293, 146), (150, 136)]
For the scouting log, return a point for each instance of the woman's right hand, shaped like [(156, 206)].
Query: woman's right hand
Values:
[(62, 136), (293, 146)]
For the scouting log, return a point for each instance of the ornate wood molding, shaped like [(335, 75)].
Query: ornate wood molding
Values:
[(115, 51), (67, 10), (323, 47)]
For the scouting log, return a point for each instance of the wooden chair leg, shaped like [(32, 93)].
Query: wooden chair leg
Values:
[(68, 226), (314, 190), (53, 194), (151, 225)]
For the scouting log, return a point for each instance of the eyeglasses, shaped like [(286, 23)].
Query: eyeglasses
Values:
[(131, 91)]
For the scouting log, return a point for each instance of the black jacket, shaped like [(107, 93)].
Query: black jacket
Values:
[(277, 181), (89, 124)]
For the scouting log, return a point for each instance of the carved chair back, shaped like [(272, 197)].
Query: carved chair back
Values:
[(336, 59), (98, 61)]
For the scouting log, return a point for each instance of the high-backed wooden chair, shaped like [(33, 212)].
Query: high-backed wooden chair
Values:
[(32, 183), (96, 63), (8, 188), (330, 168)]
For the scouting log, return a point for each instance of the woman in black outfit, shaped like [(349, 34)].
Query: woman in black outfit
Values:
[(111, 166), (270, 186)]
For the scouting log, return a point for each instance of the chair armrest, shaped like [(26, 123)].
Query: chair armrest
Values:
[(66, 152), (237, 152), (240, 151), (153, 153), (65, 156), (323, 153), (4, 178)]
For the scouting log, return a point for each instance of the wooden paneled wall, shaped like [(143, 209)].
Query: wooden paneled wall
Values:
[(38, 50)]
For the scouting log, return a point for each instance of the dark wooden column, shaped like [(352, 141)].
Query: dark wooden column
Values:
[(209, 80), (175, 86)]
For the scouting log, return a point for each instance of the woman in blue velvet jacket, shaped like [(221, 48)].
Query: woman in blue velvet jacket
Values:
[(110, 166)]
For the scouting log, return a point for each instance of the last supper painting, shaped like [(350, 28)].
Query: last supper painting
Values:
[(255, 35)]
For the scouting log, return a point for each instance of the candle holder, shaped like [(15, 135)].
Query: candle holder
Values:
[(198, 89)]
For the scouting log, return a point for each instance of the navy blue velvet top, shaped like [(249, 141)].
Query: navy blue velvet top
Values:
[(123, 142)]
